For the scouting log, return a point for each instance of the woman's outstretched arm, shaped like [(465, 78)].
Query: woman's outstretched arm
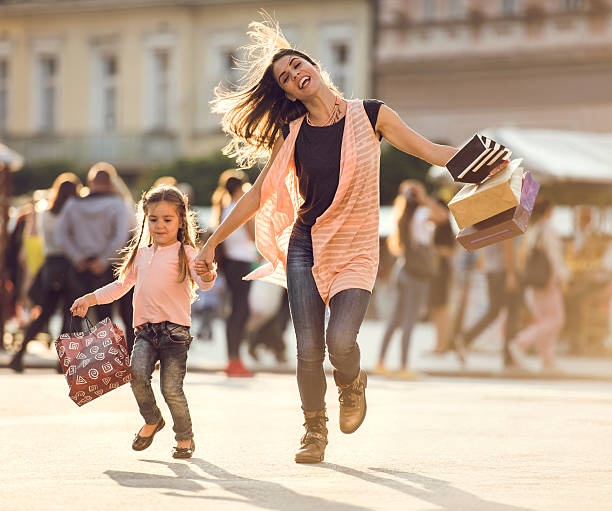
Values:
[(390, 126)]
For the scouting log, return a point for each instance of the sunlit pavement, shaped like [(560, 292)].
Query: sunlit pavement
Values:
[(483, 361), (431, 444)]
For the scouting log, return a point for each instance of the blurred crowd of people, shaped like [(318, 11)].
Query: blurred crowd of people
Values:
[(64, 241), (569, 302)]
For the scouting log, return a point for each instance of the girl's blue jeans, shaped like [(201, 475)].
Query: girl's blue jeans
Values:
[(347, 310), (167, 343)]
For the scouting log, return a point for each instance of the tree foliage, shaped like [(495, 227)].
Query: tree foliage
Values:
[(203, 173), (40, 176), (395, 167)]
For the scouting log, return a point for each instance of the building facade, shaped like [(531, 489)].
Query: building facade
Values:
[(454, 67), (129, 81)]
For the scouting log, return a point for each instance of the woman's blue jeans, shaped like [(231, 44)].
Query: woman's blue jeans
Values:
[(347, 310), (168, 343)]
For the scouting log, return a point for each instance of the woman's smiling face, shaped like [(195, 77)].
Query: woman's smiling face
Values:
[(296, 76)]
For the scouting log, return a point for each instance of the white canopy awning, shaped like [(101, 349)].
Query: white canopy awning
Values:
[(554, 156), (573, 167)]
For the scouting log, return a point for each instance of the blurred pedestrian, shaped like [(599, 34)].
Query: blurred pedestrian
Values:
[(236, 260), (504, 295), (444, 244), (269, 333), (546, 299), (208, 305), (55, 284), (23, 259), (124, 304), (416, 216), (160, 266), (92, 231), (317, 205)]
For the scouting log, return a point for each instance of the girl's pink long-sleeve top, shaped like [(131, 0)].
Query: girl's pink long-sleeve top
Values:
[(158, 296)]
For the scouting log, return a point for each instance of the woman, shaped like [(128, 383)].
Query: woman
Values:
[(56, 282), (239, 256), (317, 205), (417, 215), (444, 243), (546, 302)]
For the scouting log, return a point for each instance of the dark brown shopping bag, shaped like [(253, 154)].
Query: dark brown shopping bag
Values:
[(476, 159), (94, 362)]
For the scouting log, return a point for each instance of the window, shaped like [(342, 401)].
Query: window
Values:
[(340, 52), (456, 9), (161, 89), (510, 7), (47, 92), (161, 82), (105, 91), (230, 73), (4, 72), (109, 92), (337, 55), (429, 10), (572, 5)]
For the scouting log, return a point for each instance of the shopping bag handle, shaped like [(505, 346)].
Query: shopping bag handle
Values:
[(87, 320)]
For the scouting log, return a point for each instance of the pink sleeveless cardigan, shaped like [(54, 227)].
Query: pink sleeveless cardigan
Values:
[(345, 236)]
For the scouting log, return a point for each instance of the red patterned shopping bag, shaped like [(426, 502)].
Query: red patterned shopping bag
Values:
[(94, 362)]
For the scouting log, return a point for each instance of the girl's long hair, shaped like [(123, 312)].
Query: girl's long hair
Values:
[(255, 110), (65, 186), (187, 232)]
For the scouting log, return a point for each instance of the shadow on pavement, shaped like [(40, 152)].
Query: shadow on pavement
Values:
[(427, 489), (258, 493)]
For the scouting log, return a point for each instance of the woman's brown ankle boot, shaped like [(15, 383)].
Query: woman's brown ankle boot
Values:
[(352, 402), (312, 444)]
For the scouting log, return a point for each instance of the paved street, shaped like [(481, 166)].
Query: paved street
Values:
[(432, 444), (484, 360)]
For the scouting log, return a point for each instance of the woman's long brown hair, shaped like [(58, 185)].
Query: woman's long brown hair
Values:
[(257, 108), (65, 186)]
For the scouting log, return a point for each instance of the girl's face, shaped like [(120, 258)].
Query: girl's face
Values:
[(164, 223), (296, 76)]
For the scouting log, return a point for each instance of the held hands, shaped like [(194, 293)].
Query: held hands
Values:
[(205, 265), (81, 305)]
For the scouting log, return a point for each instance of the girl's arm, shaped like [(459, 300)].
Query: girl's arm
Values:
[(244, 209), (105, 294), (390, 126)]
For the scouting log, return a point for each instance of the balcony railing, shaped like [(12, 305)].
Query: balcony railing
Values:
[(119, 149)]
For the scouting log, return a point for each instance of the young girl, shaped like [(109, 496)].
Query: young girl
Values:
[(164, 277)]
